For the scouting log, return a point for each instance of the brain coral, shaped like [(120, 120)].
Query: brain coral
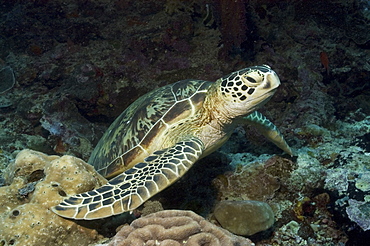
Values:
[(174, 228), (37, 182)]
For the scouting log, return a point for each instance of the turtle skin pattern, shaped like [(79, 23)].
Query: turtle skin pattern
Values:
[(131, 134), (130, 189), (163, 133)]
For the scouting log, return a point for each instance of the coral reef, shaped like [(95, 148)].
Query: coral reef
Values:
[(258, 181), (102, 62), (175, 227), (244, 217), (34, 183), (70, 133), (359, 212), (283, 183), (151, 207)]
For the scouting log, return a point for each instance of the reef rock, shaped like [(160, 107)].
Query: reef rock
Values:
[(359, 212), (244, 217), (175, 228), (7, 79), (36, 182)]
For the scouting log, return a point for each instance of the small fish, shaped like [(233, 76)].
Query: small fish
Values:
[(325, 61)]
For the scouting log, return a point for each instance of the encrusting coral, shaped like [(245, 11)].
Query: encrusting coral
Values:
[(175, 228), (36, 182), (244, 217)]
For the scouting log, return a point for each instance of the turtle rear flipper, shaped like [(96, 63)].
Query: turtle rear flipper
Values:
[(269, 130), (133, 187)]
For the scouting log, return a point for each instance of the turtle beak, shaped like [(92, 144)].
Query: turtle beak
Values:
[(267, 89), (271, 82)]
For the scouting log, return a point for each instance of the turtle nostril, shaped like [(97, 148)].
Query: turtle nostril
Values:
[(62, 193), (16, 212)]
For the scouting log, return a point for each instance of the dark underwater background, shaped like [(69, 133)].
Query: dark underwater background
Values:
[(69, 68)]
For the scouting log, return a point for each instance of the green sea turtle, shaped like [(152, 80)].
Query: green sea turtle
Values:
[(163, 133)]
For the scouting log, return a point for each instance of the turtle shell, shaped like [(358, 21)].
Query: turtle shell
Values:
[(140, 129)]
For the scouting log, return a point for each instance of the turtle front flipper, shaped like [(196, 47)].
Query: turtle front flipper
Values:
[(269, 130), (133, 187)]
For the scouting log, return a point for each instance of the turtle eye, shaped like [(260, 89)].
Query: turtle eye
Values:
[(250, 79), (253, 78)]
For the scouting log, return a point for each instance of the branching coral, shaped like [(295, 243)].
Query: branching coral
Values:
[(175, 228)]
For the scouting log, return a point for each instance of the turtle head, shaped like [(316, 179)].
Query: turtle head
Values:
[(248, 89)]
